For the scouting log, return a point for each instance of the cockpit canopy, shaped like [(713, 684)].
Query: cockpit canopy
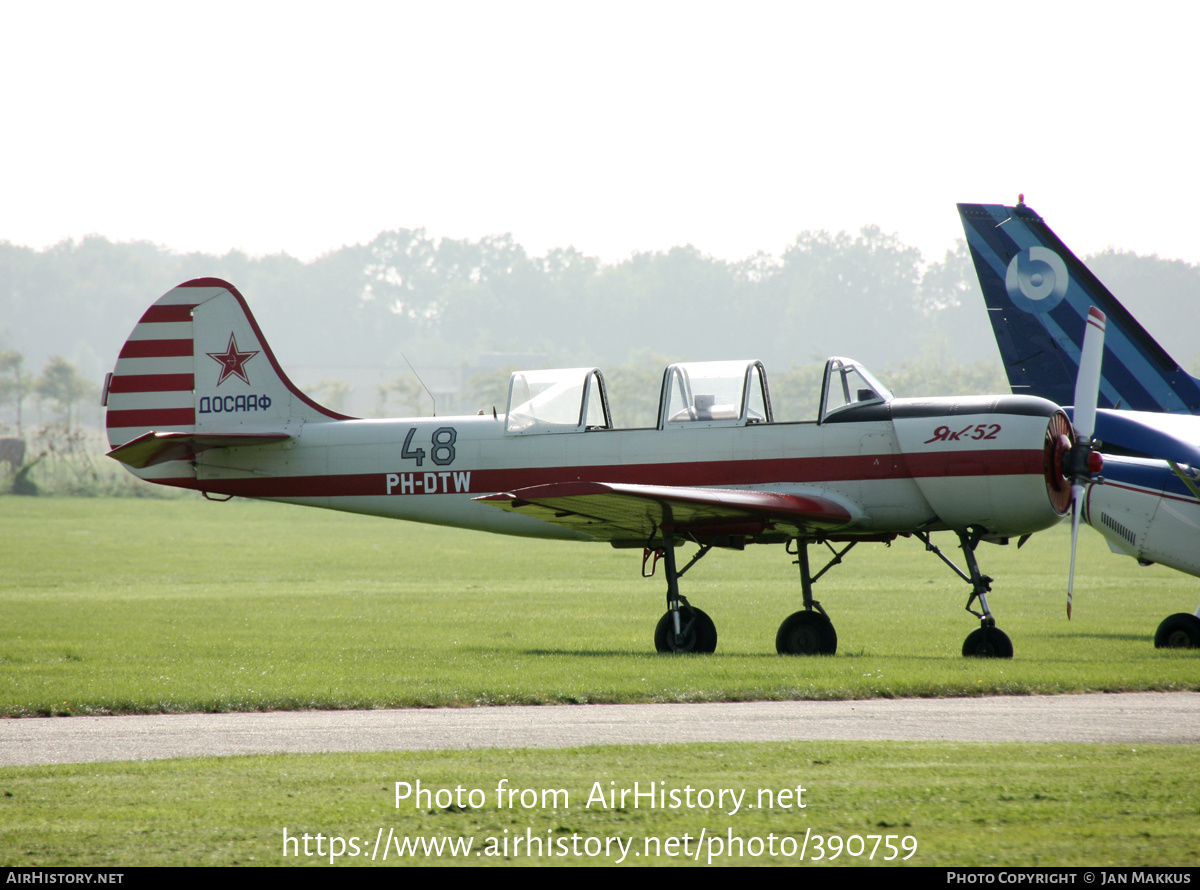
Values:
[(695, 395), (848, 384), (730, 393), (558, 401)]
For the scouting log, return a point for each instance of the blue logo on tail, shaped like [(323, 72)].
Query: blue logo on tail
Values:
[(1036, 279)]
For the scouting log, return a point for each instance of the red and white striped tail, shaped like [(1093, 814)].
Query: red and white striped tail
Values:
[(197, 363)]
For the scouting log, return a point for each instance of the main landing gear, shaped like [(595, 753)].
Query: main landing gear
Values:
[(989, 641), (809, 631), (684, 628)]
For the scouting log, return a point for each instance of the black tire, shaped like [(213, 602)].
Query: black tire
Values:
[(806, 633), (697, 633), (1179, 631), (988, 642)]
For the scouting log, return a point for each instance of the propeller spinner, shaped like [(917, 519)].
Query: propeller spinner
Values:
[(1083, 463)]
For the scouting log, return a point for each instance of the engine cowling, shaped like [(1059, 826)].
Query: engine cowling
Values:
[(993, 463)]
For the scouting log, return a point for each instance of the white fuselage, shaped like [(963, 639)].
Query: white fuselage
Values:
[(891, 476)]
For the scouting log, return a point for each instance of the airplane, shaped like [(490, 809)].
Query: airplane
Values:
[(197, 400), (1038, 294)]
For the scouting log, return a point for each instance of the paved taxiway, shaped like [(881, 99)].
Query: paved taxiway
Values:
[(1129, 718)]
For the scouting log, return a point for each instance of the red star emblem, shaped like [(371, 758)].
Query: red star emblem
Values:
[(232, 361)]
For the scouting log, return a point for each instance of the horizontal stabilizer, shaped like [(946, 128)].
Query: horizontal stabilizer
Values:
[(614, 511), (156, 448)]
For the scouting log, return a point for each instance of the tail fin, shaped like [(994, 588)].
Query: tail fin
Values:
[(197, 373), (1038, 294)]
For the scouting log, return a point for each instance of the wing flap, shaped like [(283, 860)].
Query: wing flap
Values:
[(154, 448), (612, 511)]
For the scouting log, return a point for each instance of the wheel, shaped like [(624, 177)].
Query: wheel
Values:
[(988, 642), (806, 633), (1179, 631), (697, 633)]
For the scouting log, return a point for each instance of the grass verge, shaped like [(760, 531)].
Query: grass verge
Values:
[(1008, 805)]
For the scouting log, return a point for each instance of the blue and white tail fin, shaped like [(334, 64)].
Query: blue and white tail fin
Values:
[(196, 373), (1038, 294)]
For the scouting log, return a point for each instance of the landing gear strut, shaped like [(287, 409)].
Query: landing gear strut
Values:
[(683, 628), (808, 632), (989, 641), (696, 632)]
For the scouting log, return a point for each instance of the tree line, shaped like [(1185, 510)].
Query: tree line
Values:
[(349, 323), (60, 389)]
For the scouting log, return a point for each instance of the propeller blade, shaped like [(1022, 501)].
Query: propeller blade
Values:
[(1083, 461), (1087, 384), (1076, 508)]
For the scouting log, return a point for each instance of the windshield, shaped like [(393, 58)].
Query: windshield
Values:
[(847, 383)]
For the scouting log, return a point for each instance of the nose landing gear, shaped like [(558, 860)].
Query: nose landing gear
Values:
[(988, 641)]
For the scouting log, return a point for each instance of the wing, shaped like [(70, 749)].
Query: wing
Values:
[(618, 512)]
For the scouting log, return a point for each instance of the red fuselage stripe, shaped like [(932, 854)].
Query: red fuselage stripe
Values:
[(707, 473), (1148, 492), (974, 463), (153, 383), (156, 348)]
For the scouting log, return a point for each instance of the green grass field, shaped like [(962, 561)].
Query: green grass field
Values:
[(1003, 805), (130, 606), (123, 606)]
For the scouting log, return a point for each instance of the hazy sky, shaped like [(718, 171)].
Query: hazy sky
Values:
[(610, 126)]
